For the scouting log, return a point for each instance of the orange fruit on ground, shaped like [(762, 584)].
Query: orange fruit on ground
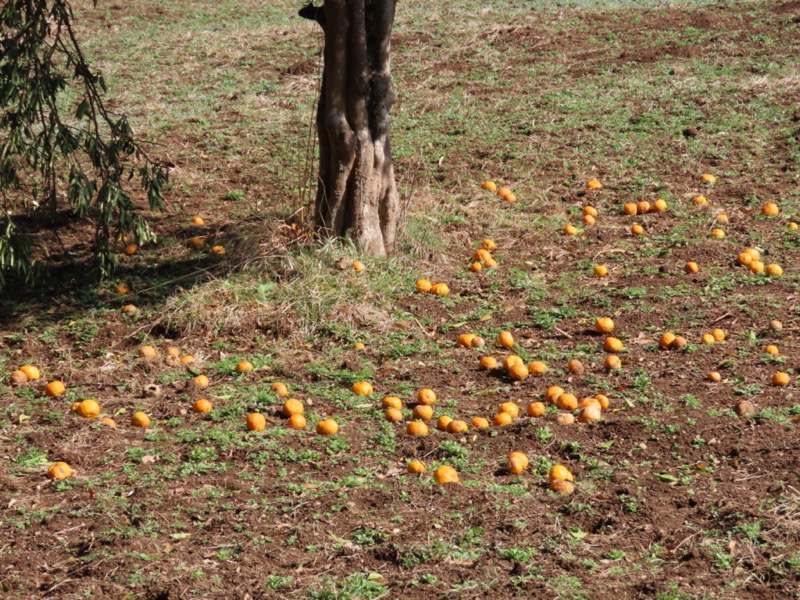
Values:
[(603, 400), (490, 263), (296, 422), (488, 363), (362, 388), (172, 352), (358, 266), (256, 422), (440, 289), (219, 250), (503, 191), (426, 396), (140, 419), (422, 412), (756, 266), (481, 254), (18, 377), (589, 220), (510, 197), (560, 473), (59, 470), (415, 467), (691, 267), (505, 340), (327, 427), (774, 270), (666, 340), (292, 406), (517, 463), (643, 207), (31, 372), (88, 409), (457, 426), (612, 363), (417, 428), (536, 409), (195, 242), (109, 422), (477, 342), (424, 286), (567, 402), (794, 226), (393, 415), (475, 267), (280, 389), (718, 233), (612, 344), (480, 422), (488, 244), (198, 220), (509, 407), (594, 184), (709, 179), (780, 379), (518, 372), (637, 229), (589, 413), (122, 289), (442, 422), (570, 230), (445, 474), (707, 339), (565, 418), (358, 346), (553, 392), (537, 368), (770, 208), (511, 360), (54, 388), (244, 367), (678, 343), (392, 402), (701, 200), (714, 377), (660, 205), (772, 349), (719, 334), (502, 418), (131, 249), (489, 185), (187, 359), (575, 367), (723, 218), (604, 325), (601, 270), (203, 406), (592, 401), (201, 382), (630, 208), (590, 210), (744, 258), (148, 352), (562, 487), (465, 340)]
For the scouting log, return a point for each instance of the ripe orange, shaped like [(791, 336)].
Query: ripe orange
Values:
[(59, 470), (54, 388), (202, 406), (445, 474), (292, 406), (426, 396), (256, 422), (327, 427), (140, 419)]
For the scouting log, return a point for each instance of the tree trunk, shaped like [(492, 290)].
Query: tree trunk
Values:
[(356, 192)]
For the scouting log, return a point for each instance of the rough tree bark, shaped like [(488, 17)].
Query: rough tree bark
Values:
[(356, 191)]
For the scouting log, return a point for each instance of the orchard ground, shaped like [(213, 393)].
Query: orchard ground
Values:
[(676, 496)]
